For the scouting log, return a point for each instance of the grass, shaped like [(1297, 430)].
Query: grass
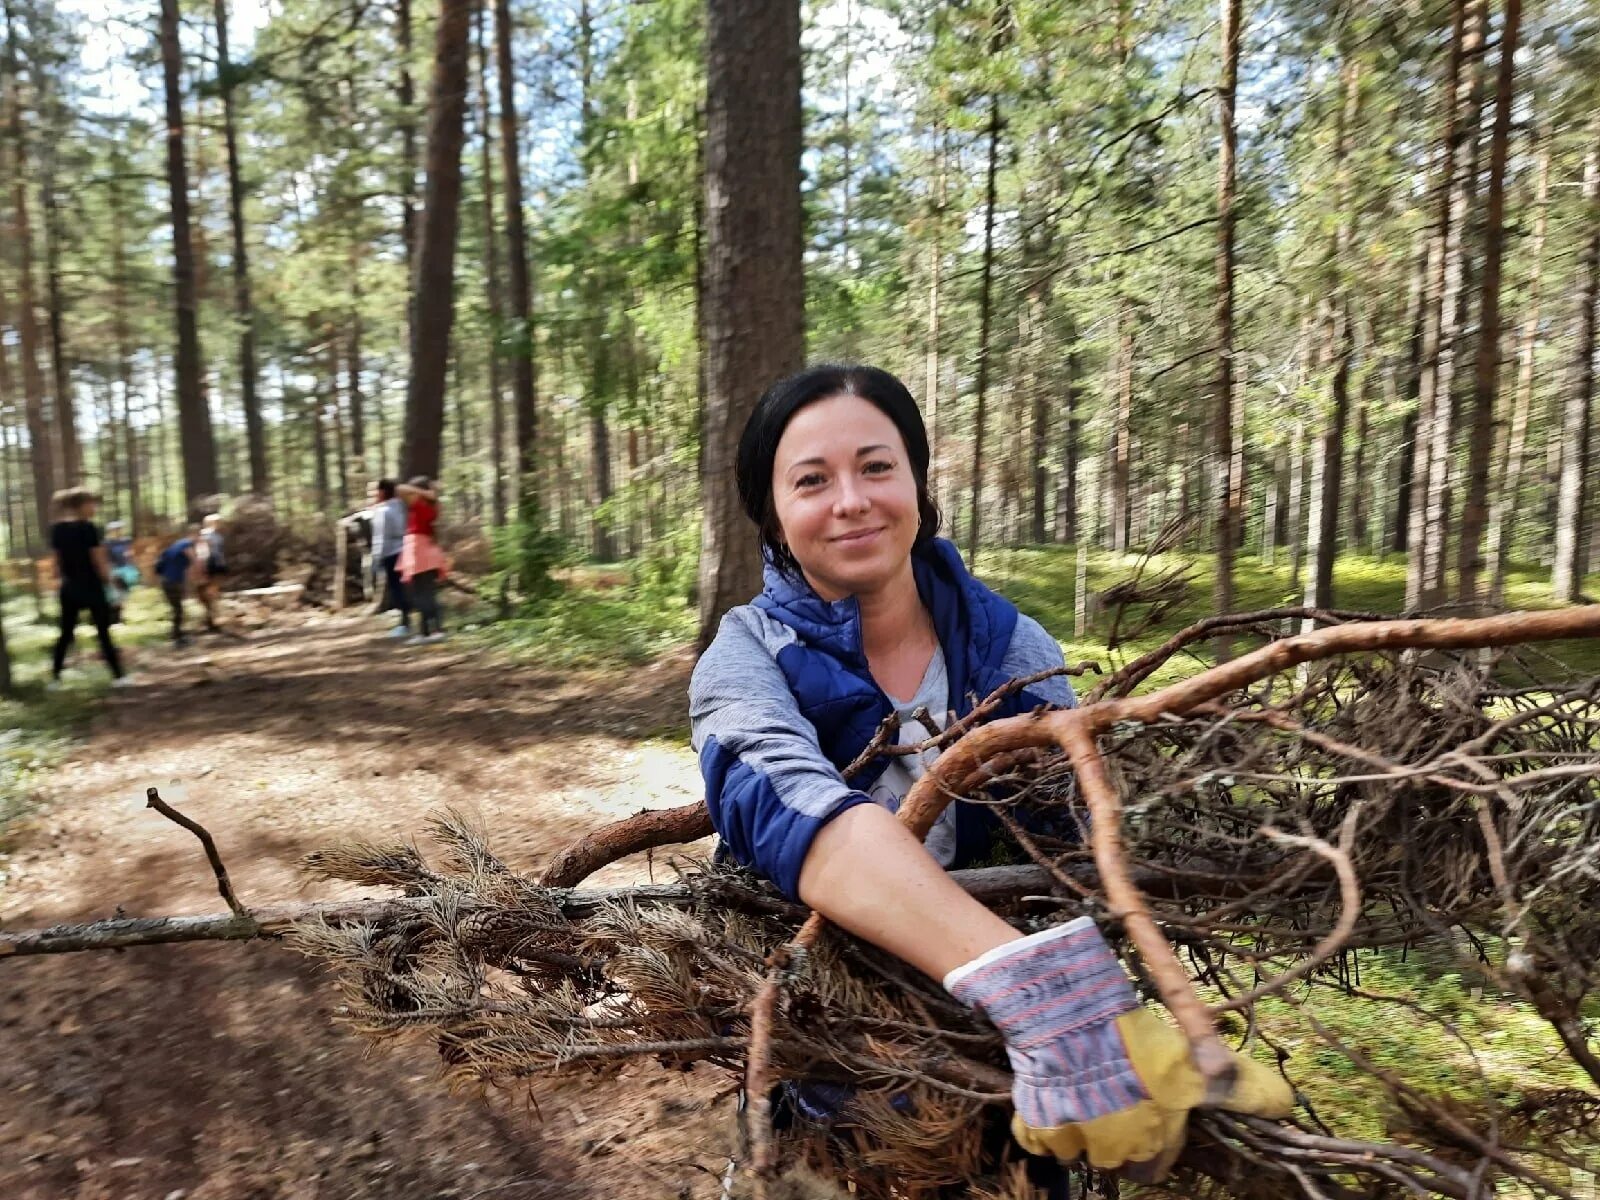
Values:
[(1040, 580), (38, 726)]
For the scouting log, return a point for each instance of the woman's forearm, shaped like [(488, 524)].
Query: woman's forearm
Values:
[(868, 875)]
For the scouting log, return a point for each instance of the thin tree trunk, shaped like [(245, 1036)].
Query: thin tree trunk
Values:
[(318, 402), (406, 95), (1486, 369), (433, 285), (1566, 580), (64, 410), (1326, 497), (1039, 450), (1297, 489), (491, 244), (930, 385), (33, 390), (1067, 481), (194, 421), (1122, 432), (1508, 495), (1222, 430), (985, 326), (243, 309), (523, 376), (753, 299)]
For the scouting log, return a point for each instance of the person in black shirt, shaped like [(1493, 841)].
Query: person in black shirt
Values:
[(84, 570)]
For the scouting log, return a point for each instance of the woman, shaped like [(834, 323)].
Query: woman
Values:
[(865, 612), (422, 564)]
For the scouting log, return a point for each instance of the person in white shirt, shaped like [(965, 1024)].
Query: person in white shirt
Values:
[(388, 514)]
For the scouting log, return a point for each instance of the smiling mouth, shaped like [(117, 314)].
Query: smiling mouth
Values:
[(859, 535)]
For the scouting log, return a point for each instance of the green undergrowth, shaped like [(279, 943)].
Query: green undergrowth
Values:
[(1040, 580), (600, 617), (38, 726)]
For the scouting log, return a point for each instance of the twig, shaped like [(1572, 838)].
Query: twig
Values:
[(152, 799)]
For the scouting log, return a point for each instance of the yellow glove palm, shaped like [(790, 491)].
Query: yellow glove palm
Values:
[(1152, 1131)]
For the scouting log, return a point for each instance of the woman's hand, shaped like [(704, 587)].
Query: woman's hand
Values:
[(1095, 1073)]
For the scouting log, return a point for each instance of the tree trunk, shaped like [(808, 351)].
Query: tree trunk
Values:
[(1566, 579), (1503, 515), (930, 385), (1122, 431), (753, 311), (1326, 497), (194, 421), (497, 320), (1428, 551), (1067, 481), (64, 410), (1295, 529), (523, 380), (243, 310), (406, 95), (1039, 450), (1222, 429), (319, 444), (33, 390), (433, 284), (985, 327), (1486, 369)]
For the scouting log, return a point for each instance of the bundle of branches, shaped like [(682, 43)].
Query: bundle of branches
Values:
[(1323, 806)]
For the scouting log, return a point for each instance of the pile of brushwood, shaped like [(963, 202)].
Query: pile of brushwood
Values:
[(1251, 838), (1248, 837)]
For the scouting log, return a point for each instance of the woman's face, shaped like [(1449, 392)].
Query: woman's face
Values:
[(845, 496)]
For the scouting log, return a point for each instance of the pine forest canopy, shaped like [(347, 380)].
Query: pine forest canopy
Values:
[(1288, 278)]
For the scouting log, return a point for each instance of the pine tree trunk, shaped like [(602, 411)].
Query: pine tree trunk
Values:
[(243, 309), (1067, 481), (1120, 475), (753, 310), (1433, 400), (1508, 495), (194, 420), (1566, 580), (985, 327), (1039, 450), (1486, 369), (33, 390), (491, 250), (70, 461), (1326, 490), (433, 284), (405, 94), (1294, 528), (1227, 535), (318, 404), (930, 386), (523, 376)]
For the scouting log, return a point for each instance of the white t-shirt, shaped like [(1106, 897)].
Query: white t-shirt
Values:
[(905, 769)]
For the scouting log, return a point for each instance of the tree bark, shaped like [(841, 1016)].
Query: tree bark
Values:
[(753, 312), (1503, 515), (1122, 427), (1566, 579), (985, 326), (405, 93), (433, 284), (493, 295), (33, 390), (523, 374), (1067, 482), (1227, 535), (1486, 368), (65, 409), (194, 420), (1326, 495), (243, 309), (1439, 357)]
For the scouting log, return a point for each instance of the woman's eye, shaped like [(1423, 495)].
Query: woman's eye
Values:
[(878, 467), (809, 481)]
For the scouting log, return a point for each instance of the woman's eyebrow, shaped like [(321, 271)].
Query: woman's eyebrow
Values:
[(819, 461)]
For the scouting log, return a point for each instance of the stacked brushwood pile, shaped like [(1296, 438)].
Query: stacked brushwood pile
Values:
[(1248, 838)]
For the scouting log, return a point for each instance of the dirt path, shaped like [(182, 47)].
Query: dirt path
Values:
[(219, 1072)]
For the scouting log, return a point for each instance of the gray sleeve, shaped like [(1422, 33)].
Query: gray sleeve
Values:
[(740, 701), (1033, 650)]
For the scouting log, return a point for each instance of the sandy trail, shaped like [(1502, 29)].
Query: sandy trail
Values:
[(219, 1072)]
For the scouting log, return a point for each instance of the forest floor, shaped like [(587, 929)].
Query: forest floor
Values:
[(221, 1072)]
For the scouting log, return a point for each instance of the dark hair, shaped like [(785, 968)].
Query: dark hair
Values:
[(386, 488), (73, 498), (758, 445), (420, 481)]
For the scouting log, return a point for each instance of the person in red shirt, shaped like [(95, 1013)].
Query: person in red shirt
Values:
[(422, 563)]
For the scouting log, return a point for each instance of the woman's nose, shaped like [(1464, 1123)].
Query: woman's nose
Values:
[(852, 499)]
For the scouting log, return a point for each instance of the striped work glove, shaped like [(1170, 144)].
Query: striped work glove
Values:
[(1095, 1073)]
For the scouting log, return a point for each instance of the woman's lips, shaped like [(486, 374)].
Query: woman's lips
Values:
[(858, 537)]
